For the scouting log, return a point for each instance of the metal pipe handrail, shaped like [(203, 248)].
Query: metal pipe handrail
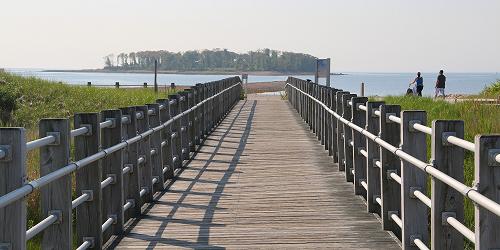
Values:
[(80, 200), (461, 143), (397, 220), (421, 245), (107, 224), (85, 245), (106, 182), (33, 185), (42, 225), (422, 197), (461, 228), (395, 177), (465, 190)]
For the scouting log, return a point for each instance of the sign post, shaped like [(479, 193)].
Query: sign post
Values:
[(323, 70)]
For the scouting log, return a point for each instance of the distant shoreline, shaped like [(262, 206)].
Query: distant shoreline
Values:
[(254, 73)]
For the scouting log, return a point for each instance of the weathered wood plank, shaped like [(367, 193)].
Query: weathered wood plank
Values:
[(260, 180)]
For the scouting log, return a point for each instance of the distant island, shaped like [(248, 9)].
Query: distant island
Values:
[(264, 62), (215, 61)]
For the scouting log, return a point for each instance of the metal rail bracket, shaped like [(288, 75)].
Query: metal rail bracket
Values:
[(492, 153), (445, 215), (57, 137), (445, 136), (8, 153)]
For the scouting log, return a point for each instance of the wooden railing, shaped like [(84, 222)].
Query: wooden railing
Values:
[(121, 158), (383, 151)]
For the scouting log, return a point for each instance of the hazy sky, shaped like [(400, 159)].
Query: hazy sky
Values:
[(376, 36)]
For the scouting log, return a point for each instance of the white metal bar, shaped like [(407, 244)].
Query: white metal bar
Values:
[(379, 201), (377, 113), (42, 225), (395, 177), (143, 192), (78, 201), (152, 152), (423, 198), (364, 184), (461, 143), (2, 154), (79, 131), (107, 224), (497, 158), (363, 107), (396, 219), (106, 182), (38, 143), (378, 164), (85, 245), (141, 160), (165, 169), (364, 153), (420, 244), (126, 170), (422, 128), (154, 180), (127, 206), (395, 119), (465, 231), (106, 124)]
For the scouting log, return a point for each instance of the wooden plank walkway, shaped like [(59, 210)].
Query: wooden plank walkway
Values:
[(262, 180)]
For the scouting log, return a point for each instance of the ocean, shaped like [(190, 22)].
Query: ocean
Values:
[(375, 83)]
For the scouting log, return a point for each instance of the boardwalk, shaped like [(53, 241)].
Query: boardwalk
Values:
[(261, 180)]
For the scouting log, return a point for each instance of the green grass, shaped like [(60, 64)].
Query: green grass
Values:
[(492, 91), (478, 119), (26, 100)]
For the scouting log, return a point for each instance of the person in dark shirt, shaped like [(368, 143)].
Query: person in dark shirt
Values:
[(420, 84), (440, 84)]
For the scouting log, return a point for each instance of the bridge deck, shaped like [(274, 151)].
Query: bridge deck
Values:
[(261, 181)]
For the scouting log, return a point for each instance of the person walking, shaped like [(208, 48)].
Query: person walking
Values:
[(419, 81), (440, 84)]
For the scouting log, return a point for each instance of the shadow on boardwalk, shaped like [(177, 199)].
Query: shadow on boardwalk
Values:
[(261, 180), (247, 110)]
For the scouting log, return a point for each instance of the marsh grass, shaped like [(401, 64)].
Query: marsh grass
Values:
[(478, 119), (33, 99)]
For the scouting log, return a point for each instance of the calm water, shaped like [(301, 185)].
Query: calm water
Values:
[(376, 83)]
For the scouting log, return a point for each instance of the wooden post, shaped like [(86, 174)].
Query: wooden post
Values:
[(89, 84), (12, 177), (487, 181), (196, 116), (88, 180), (372, 148), (358, 117), (145, 152), (390, 189), (340, 131), (362, 92), (112, 166), (414, 212), (130, 156), (117, 85), (155, 142), (348, 149), (184, 125), (199, 114), (192, 120), (176, 128), (56, 196), (334, 135), (166, 151), (445, 200)]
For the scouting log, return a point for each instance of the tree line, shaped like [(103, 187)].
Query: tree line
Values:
[(213, 60)]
